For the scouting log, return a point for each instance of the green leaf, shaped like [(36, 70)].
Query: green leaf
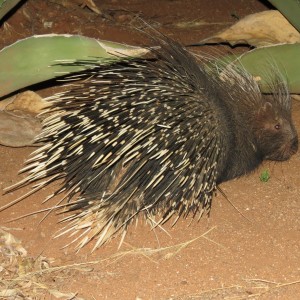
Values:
[(264, 176), (37, 58), (262, 62), (290, 9), (6, 6)]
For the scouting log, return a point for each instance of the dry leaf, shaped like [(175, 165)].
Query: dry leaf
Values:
[(123, 52), (91, 5), (296, 97), (11, 242), (82, 3), (18, 124), (18, 129), (27, 101), (198, 23), (59, 295), (9, 293), (260, 29), (190, 24)]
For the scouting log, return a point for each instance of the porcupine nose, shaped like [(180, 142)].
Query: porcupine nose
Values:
[(294, 145), (286, 151)]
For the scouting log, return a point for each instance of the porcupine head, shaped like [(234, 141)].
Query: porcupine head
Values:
[(274, 131), (260, 126), (148, 136)]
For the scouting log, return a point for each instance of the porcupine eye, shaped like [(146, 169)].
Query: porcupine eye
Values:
[(277, 126)]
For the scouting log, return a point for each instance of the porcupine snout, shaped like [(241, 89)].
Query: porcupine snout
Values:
[(285, 143), (291, 148)]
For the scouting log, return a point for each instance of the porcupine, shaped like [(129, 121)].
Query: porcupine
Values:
[(154, 136)]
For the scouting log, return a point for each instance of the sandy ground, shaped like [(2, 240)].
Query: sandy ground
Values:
[(254, 253)]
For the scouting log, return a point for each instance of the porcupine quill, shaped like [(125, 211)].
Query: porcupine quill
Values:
[(154, 136)]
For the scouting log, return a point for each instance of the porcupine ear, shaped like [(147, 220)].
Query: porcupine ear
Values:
[(265, 116), (265, 111)]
